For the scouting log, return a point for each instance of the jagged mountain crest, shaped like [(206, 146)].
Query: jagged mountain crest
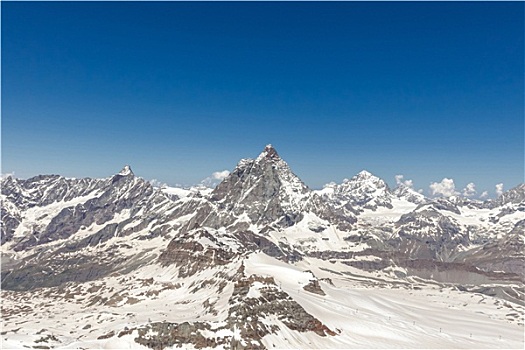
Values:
[(362, 190), (269, 152), (364, 181), (67, 205), (263, 192), (265, 189), (403, 191), (368, 191), (266, 177), (126, 171), (260, 195)]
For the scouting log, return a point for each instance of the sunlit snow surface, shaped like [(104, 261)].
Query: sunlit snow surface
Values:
[(366, 310)]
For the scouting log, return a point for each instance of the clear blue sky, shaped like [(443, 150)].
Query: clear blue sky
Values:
[(180, 90)]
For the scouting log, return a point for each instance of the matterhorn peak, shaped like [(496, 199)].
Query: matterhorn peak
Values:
[(126, 171), (268, 153)]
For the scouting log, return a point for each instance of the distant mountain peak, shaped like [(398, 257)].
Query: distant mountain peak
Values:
[(269, 152), (126, 171), (364, 176), (364, 173), (408, 193)]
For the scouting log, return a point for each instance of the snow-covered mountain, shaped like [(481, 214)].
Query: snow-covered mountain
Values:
[(259, 191), (407, 193), (260, 261), (364, 191)]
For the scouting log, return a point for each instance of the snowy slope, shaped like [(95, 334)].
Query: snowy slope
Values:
[(360, 312)]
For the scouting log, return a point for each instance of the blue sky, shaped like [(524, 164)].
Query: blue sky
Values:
[(180, 90)]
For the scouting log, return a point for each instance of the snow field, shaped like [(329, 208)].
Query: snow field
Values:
[(391, 318)]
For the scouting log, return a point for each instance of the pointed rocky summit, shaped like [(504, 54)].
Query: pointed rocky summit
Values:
[(265, 189), (265, 178), (365, 190), (125, 174), (268, 153), (126, 171)]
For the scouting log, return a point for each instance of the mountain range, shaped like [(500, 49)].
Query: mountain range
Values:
[(259, 261)]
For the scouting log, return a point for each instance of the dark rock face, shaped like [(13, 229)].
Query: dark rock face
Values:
[(265, 189), (254, 299), (314, 287), (406, 192), (248, 311), (504, 254), (78, 269), (440, 204), (10, 221), (453, 272), (369, 265), (191, 256), (428, 234), (169, 334), (254, 242)]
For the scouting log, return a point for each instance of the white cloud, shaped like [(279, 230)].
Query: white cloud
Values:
[(484, 194), (400, 181), (215, 178), (220, 175), (499, 189), (469, 190), (444, 188)]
